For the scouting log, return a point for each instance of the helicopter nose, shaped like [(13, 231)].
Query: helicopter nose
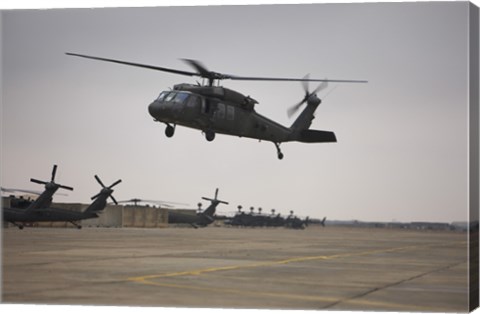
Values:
[(154, 109)]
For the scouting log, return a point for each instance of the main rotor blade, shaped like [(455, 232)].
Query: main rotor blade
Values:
[(203, 72), (165, 203), (146, 66), (246, 78), (8, 190), (198, 66)]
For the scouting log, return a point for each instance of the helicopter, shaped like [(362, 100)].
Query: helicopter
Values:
[(135, 201), (251, 219), (16, 216), (214, 109), (44, 198), (201, 218)]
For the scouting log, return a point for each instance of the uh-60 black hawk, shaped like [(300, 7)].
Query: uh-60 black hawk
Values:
[(42, 211), (215, 109)]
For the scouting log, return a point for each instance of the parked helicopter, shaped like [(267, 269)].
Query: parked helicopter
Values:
[(135, 201), (215, 109), (44, 198), (17, 216), (242, 219), (201, 218)]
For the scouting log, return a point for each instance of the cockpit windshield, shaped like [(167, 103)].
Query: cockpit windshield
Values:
[(169, 97), (162, 96), (176, 97), (180, 97)]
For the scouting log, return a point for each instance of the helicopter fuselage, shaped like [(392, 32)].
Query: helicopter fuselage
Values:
[(218, 110)]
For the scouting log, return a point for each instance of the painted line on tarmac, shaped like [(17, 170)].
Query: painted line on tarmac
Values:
[(197, 272), (149, 279), (245, 292)]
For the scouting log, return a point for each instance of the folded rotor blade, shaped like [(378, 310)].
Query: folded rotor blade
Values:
[(113, 199), (95, 196), (214, 200), (99, 181), (38, 181), (113, 184), (146, 66), (54, 171), (65, 187)]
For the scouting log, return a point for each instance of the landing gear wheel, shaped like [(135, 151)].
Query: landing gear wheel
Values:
[(279, 152), (169, 131), (210, 135)]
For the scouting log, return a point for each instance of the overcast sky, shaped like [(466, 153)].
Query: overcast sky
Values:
[(402, 138)]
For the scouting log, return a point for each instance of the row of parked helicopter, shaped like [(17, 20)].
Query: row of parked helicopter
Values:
[(252, 219), (23, 211)]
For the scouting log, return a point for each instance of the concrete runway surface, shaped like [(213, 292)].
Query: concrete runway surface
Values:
[(336, 268)]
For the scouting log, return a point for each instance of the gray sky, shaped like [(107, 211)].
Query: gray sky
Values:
[(402, 138)]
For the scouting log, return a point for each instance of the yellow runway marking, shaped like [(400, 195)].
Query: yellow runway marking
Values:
[(148, 280), (244, 292), (197, 272)]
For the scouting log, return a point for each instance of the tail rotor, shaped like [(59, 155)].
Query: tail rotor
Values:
[(310, 97)]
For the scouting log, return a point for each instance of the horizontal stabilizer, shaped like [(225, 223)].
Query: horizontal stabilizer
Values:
[(316, 136)]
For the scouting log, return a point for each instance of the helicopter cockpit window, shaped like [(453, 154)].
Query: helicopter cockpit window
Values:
[(180, 98), (162, 96), (170, 97)]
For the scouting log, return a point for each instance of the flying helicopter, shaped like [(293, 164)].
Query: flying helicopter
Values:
[(214, 109)]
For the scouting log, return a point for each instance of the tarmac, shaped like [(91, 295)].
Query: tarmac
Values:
[(334, 268)]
